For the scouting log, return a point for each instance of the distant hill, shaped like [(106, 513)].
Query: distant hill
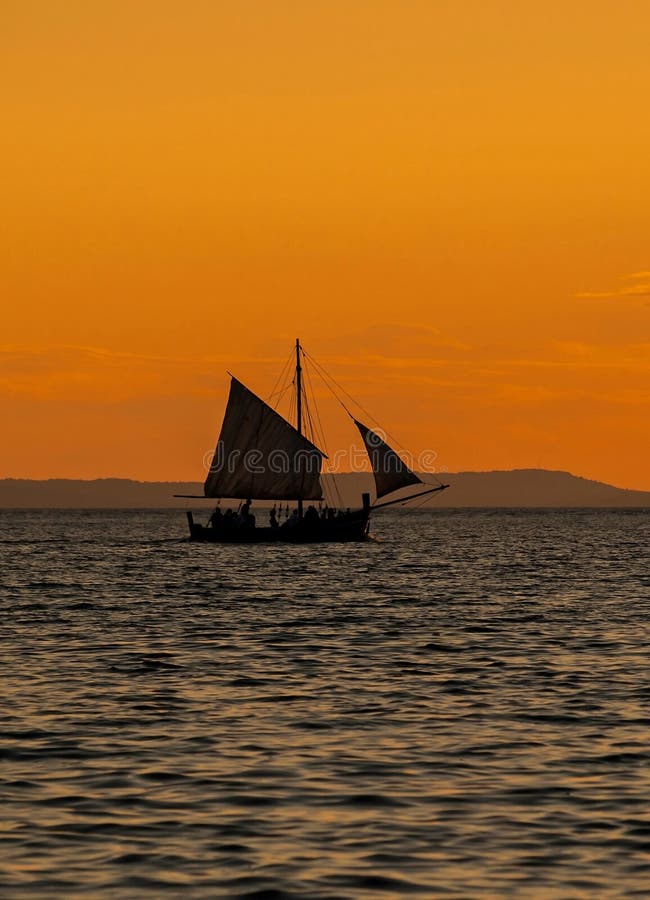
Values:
[(515, 488)]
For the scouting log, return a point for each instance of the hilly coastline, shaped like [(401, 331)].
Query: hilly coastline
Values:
[(514, 488)]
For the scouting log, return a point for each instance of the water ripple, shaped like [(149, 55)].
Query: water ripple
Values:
[(460, 709)]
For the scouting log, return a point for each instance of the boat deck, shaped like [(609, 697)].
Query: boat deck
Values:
[(349, 527)]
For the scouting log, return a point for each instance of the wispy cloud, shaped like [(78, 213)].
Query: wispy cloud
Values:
[(641, 288), (58, 355), (67, 372)]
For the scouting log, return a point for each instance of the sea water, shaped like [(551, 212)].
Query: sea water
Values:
[(460, 708)]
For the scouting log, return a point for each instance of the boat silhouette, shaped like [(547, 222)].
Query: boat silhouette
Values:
[(260, 455)]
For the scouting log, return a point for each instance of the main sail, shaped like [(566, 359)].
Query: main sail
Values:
[(259, 455), (391, 473)]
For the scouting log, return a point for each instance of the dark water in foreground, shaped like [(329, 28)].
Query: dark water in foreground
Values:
[(459, 710)]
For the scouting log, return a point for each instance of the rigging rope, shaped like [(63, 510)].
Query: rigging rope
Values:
[(325, 375), (423, 500), (280, 394), (320, 432), (285, 373)]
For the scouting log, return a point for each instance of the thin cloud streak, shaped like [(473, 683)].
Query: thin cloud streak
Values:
[(634, 290)]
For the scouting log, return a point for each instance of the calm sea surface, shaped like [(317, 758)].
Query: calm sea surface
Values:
[(460, 709)]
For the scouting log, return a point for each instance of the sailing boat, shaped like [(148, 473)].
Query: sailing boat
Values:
[(262, 456)]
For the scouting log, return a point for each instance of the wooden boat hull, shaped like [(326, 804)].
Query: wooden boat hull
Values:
[(352, 526)]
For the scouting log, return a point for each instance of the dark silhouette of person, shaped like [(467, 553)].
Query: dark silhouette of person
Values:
[(292, 521), (273, 520), (311, 516), (246, 518), (216, 518)]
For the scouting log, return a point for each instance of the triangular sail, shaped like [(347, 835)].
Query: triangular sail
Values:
[(391, 473), (261, 456)]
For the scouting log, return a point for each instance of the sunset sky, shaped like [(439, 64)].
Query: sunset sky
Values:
[(448, 201)]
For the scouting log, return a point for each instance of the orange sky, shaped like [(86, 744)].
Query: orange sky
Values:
[(448, 201)]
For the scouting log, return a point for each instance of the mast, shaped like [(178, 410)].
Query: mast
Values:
[(298, 405)]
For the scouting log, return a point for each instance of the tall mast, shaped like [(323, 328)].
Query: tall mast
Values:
[(298, 387), (299, 405)]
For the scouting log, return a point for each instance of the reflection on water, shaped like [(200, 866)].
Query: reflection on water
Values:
[(460, 709)]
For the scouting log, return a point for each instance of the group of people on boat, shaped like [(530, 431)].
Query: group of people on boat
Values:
[(229, 520), (243, 518)]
